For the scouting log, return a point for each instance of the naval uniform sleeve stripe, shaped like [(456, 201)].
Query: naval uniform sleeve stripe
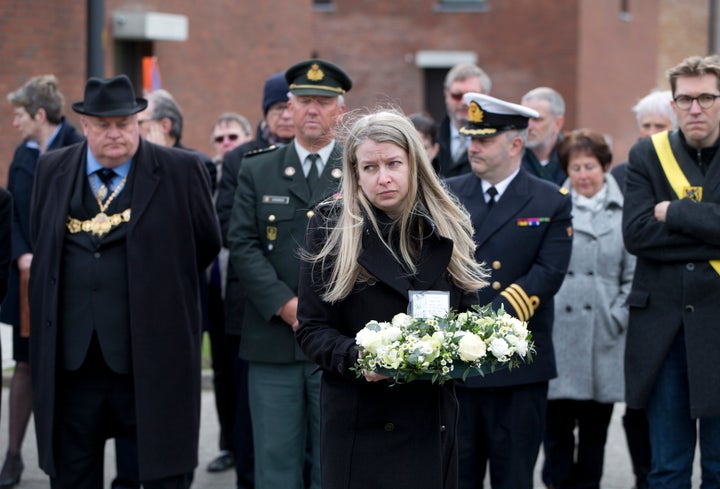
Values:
[(532, 302), (516, 302)]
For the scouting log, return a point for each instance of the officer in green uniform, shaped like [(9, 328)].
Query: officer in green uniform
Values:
[(277, 191)]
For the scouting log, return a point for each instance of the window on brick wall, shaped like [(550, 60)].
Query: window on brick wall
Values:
[(324, 5), (461, 5)]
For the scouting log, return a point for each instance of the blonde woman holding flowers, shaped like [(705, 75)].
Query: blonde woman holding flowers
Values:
[(394, 230)]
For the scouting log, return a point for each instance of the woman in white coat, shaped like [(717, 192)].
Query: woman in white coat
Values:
[(590, 318)]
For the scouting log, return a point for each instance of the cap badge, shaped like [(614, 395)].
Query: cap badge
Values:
[(315, 73), (475, 113)]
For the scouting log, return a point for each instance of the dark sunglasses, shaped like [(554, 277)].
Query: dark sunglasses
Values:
[(231, 137), (457, 96)]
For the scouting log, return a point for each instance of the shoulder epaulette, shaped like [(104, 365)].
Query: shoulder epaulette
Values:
[(564, 191), (260, 151)]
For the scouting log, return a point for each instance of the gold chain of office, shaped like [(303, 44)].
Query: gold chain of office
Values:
[(101, 223)]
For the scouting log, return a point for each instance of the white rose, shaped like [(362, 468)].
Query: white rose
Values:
[(390, 358), (402, 320), (390, 334), (521, 347), (369, 339), (499, 348), (471, 348), (519, 327), (428, 349)]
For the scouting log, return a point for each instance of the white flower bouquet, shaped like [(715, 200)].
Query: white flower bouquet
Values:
[(457, 345)]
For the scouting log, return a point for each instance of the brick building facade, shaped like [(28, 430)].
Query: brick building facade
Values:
[(601, 55)]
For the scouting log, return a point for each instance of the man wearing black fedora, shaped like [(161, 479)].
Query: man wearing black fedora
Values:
[(122, 230)]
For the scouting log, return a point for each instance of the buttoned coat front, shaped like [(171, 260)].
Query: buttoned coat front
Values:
[(273, 205), (591, 313), (675, 289), (172, 236), (374, 434), (525, 240)]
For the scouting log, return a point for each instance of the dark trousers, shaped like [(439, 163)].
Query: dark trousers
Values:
[(243, 435), (94, 404), (223, 348), (638, 441), (127, 465), (565, 469), (502, 426)]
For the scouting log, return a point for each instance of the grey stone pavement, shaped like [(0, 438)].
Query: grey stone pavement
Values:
[(617, 473)]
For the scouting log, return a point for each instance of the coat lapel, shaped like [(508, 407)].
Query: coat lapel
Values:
[(330, 176), (145, 181), (292, 172), (378, 261), (64, 180)]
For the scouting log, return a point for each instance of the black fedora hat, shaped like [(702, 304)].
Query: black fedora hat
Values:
[(107, 97)]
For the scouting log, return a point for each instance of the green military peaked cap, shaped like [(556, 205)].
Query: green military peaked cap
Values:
[(317, 77)]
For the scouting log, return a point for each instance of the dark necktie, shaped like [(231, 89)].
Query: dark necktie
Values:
[(313, 176), (492, 192), (105, 175)]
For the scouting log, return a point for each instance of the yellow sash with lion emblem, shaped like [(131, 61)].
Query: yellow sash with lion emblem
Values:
[(676, 177)]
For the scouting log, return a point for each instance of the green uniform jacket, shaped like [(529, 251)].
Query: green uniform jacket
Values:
[(270, 214)]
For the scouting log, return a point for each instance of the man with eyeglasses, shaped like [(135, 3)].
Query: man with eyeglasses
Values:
[(229, 131), (162, 123), (670, 221), (452, 159)]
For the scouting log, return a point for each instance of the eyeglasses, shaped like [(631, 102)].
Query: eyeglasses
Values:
[(704, 100), (230, 137), (456, 96)]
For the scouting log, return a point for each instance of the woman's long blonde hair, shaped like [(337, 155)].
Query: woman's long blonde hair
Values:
[(427, 198)]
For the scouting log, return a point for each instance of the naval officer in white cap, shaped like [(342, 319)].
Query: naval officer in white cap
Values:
[(523, 233)]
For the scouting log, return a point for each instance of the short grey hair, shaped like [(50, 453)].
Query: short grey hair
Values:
[(557, 103), (237, 118), (656, 102), (463, 71), (40, 92), (164, 105)]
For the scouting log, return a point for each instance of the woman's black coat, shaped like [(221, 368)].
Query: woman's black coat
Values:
[(374, 434)]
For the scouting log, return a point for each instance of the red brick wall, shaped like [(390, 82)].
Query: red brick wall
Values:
[(38, 37), (521, 44), (599, 64)]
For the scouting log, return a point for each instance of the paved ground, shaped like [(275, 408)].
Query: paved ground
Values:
[(617, 475)]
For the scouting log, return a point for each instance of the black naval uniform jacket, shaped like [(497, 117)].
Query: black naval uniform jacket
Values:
[(525, 241), (675, 290)]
